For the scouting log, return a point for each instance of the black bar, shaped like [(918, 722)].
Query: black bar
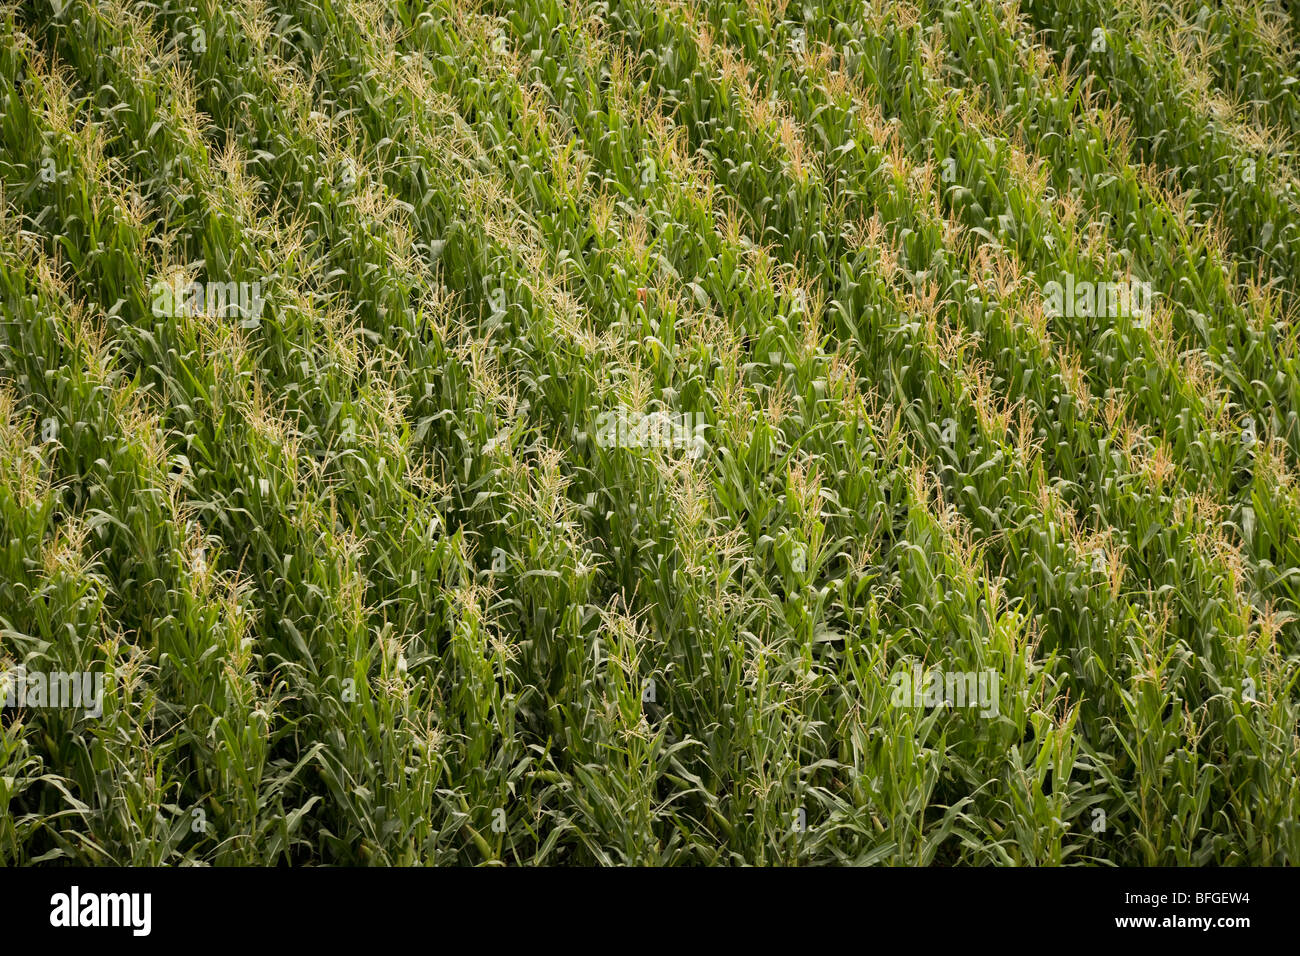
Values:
[(332, 906)]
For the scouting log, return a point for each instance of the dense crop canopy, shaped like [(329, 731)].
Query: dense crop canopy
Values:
[(649, 432)]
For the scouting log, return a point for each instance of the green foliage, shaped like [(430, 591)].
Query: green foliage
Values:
[(369, 579)]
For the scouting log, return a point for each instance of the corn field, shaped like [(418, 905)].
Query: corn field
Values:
[(649, 432)]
